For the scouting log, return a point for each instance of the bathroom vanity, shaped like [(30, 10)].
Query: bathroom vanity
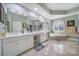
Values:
[(21, 32), (16, 44)]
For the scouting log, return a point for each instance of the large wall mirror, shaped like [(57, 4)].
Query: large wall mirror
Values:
[(17, 21)]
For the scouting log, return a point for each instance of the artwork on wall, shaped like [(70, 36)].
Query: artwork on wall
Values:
[(71, 23)]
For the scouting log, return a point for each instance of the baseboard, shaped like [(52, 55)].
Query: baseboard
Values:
[(45, 41), (30, 49), (25, 51)]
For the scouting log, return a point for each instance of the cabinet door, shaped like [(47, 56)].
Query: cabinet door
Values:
[(9, 49), (21, 46), (30, 42), (17, 47), (43, 37)]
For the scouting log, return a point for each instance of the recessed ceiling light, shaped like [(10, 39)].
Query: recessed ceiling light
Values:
[(36, 9)]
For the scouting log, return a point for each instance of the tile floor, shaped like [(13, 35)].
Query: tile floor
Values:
[(56, 48)]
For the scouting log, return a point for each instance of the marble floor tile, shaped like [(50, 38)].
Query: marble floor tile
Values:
[(56, 48)]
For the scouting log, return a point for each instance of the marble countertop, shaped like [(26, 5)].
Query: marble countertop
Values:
[(10, 35)]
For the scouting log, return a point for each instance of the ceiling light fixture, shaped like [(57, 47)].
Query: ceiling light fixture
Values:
[(35, 8)]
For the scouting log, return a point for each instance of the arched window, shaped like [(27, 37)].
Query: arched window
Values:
[(59, 26)]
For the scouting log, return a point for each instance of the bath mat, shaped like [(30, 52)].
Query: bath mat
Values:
[(39, 47)]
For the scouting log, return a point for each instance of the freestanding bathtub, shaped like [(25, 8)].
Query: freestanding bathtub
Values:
[(57, 36)]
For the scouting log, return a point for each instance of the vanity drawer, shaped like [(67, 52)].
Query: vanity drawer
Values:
[(8, 40), (13, 39)]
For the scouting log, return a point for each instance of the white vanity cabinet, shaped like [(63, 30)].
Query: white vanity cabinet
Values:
[(10, 46), (30, 42), (10, 49), (0, 47), (21, 46), (16, 45), (44, 37)]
